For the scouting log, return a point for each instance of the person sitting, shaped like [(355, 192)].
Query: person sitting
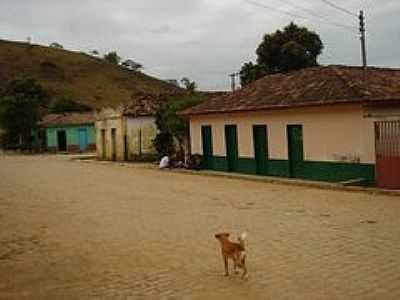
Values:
[(164, 162)]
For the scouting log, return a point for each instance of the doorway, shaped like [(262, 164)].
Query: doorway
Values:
[(206, 137), (231, 147), (83, 139), (103, 144), (295, 149), (114, 144), (260, 148), (62, 140)]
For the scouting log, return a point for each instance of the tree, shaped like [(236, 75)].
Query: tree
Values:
[(173, 127), (21, 107), (173, 82), (112, 57), (56, 45), (189, 85), (293, 48), (251, 72), (66, 104), (132, 65)]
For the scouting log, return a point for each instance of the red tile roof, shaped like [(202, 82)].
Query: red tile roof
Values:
[(144, 105), (67, 119), (308, 87)]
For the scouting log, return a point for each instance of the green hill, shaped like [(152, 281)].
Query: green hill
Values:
[(85, 79)]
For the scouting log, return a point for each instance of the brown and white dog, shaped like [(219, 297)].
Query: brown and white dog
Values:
[(234, 251)]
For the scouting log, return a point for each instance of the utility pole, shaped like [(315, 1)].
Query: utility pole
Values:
[(362, 38), (233, 80)]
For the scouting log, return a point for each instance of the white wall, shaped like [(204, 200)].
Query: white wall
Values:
[(141, 132), (330, 133)]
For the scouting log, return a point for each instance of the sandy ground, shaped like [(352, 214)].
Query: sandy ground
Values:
[(74, 230)]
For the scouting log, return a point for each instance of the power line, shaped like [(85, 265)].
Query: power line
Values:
[(347, 27), (309, 11), (339, 8), (274, 8)]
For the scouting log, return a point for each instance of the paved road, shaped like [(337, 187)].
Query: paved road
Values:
[(73, 230)]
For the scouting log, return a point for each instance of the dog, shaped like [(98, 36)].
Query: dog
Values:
[(234, 251)]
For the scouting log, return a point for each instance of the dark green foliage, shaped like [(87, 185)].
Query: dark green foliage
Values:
[(132, 65), (65, 104), (173, 127), (112, 57), (191, 86), (251, 72), (56, 45), (292, 49), (164, 143), (21, 106)]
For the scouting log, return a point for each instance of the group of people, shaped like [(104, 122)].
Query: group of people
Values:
[(193, 162)]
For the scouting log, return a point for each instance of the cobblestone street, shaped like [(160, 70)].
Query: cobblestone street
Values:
[(73, 230)]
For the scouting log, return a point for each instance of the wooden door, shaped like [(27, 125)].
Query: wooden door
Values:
[(231, 141), (62, 140), (114, 144), (83, 139), (103, 144), (260, 148), (295, 149), (387, 147), (206, 137)]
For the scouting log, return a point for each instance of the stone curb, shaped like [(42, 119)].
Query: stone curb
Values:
[(254, 178)]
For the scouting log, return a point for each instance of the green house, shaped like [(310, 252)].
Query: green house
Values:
[(69, 132)]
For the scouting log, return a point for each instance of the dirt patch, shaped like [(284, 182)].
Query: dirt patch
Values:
[(82, 230)]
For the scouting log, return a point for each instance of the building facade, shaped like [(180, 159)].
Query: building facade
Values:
[(311, 124), (127, 131), (69, 132)]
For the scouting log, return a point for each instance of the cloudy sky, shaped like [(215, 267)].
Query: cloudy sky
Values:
[(204, 40)]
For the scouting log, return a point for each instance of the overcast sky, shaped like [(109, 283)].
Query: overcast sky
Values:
[(204, 40)]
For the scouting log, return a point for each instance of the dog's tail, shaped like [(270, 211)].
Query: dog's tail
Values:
[(242, 238)]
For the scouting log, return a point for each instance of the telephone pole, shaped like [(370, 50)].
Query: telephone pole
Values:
[(362, 38), (233, 80)]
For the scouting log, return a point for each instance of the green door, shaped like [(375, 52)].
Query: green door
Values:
[(260, 148), (231, 147), (295, 145), (206, 137)]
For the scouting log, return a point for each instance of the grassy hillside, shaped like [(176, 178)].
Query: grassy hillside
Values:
[(83, 78)]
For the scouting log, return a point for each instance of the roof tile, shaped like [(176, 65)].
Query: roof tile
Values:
[(311, 86)]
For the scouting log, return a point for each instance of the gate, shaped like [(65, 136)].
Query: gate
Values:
[(387, 147)]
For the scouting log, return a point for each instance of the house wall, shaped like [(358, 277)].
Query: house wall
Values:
[(336, 139), (72, 135), (114, 122), (141, 132)]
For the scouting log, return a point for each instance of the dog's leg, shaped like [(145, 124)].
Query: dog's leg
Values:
[(226, 265), (235, 266), (245, 273), (235, 269)]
